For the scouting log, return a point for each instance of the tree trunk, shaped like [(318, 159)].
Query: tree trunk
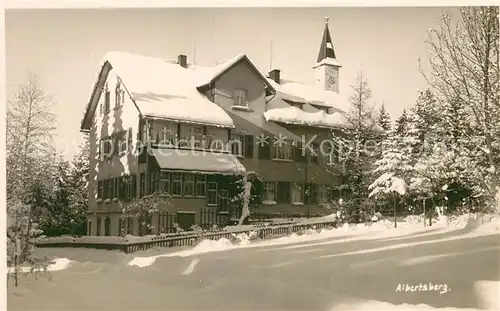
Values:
[(246, 199)]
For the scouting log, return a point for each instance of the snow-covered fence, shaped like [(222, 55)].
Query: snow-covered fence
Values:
[(130, 244)]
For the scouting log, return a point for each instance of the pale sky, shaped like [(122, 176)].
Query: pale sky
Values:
[(64, 47)]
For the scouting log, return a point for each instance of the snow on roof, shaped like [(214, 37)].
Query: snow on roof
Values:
[(311, 94), (328, 61), (294, 115), (165, 90), (205, 74)]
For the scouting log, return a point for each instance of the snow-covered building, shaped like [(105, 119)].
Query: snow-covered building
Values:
[(193, 131)]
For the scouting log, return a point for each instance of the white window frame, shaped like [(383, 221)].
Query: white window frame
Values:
[(237, 142), (323, 194), (240, 98), (223, 195), (283, 151), (188, 181), (297, 194), (122, 142), (201, 180), (209, 190), (269, 195), (164, 182), (174, 180), (169, 134)]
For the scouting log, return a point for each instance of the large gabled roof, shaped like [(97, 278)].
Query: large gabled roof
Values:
[(207, 75), (159, 89)]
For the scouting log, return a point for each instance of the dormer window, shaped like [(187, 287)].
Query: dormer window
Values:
[(240, 98), (325, 109), (294, 104)]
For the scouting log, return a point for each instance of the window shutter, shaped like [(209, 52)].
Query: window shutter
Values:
[(133, 191), (99, 151), (265, 151), (249, 143)]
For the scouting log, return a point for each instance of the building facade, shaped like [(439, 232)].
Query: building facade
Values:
[(192, 133)]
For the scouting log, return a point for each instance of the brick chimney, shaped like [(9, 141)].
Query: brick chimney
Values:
[(275, 75), (182, 60)]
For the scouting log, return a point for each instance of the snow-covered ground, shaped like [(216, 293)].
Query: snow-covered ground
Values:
[(486, 291), (54, 265), (353, 232)]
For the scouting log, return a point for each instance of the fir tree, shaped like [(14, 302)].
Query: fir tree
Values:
[(79, 181), (384, 120), (401, 123), (464, 70), (354, 144)]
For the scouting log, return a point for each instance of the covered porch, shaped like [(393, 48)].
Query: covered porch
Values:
[(203, 186)]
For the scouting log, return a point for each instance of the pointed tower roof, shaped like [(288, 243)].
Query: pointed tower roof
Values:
[(326, 49)]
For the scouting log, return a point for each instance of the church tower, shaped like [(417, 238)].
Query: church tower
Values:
[(326, 69)]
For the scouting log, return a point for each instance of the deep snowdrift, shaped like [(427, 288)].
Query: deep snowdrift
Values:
[(381, 229)]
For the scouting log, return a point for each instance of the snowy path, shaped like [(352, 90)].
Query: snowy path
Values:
[(325, 273)]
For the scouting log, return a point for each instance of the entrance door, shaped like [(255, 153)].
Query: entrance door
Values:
[(107, 226)]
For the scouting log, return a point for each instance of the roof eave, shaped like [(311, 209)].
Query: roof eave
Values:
[(270, 90), (96, 92)]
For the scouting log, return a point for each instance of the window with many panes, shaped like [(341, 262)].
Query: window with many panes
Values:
[(269, 191), (296, 193), (223, 200), (191, 136), (176, 184), (282, 150), (237, 144), (240, 98), (212, 193), (106, 148), (188, 185), (323, 194), (165, 182), (169, 134), (201, 185)]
